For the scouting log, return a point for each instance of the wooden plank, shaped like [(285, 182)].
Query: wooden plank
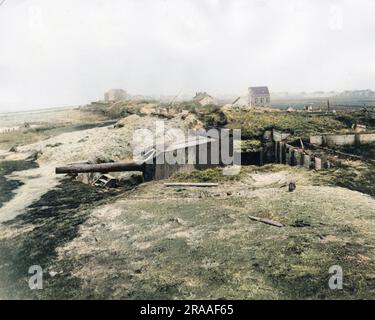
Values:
[(302, 145), (190, 184), (267, 221)]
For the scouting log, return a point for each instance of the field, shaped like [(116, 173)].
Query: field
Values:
[(159, 242), (49, 123), (338, 103), (165, 243)]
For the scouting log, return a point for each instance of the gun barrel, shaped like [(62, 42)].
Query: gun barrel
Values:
[(102, 167)]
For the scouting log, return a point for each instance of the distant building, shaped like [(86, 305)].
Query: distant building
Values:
[(311, 108), (115, 95), (259, 97), (358, 93), (203, 98)]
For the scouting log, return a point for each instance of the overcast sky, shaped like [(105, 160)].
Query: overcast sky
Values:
[(65, 52)]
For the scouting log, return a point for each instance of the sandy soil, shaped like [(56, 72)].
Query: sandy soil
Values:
[(106, 143), (54, 115), (36, 183)]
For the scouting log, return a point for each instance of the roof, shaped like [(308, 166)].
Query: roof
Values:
[(201, 95), (115, 90), (259, 90), (190, 141)]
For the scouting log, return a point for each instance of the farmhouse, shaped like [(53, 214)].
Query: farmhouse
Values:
[(203, 98), (312, 108), (114, 95), (259, 97)]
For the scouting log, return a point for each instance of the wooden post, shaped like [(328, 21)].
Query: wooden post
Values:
[(282, 152), (318, 163), (306, 161), (294, 157), (277, 151), (298, 157), (261, 156)]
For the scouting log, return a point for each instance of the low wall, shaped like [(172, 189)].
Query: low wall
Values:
[(339, 140), (318, 140), (331, 140), (367, 138)]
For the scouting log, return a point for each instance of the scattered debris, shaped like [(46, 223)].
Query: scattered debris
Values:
[(267, 221), (301, 223), (53, 145), (13, 149), (177, 220), (34, 155), (53, 273), (292, 186), (26, 125), (106, 180)]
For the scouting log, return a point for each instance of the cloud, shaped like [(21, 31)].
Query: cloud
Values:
[(69, 52)]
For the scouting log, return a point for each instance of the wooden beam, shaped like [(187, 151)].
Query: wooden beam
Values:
[(267, 221), (190, 184)]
